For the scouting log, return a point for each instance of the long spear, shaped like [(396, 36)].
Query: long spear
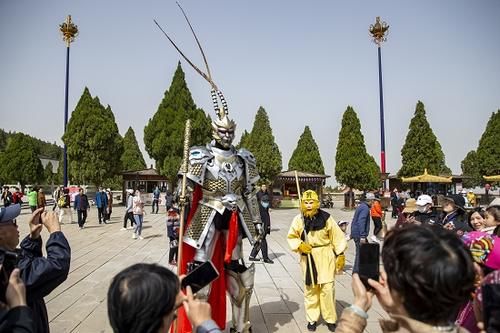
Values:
[(182, 199), (309, 259)]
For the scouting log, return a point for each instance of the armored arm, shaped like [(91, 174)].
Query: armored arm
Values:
[(250, 191)]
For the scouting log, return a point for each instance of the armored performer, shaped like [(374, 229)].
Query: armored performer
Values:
[(224, 210)]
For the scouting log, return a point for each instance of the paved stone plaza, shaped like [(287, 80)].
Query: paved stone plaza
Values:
[(100, 251)]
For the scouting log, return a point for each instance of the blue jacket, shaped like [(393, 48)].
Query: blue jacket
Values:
[(101, 199), (42, 275), (84, 200), (360, 226)]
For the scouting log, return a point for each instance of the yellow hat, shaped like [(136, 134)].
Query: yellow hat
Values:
[(310, 195)]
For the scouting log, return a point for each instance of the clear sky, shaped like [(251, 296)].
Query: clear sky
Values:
[(303, 61)]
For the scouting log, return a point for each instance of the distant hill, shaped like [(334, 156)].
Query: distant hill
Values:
[(43, 148)]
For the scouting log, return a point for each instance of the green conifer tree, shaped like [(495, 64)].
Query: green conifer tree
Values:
[(243, 140), (488, 151), (93, 142), (353, 165), (19, 161), (262, 145), (306, 156), (421, 149), (470, 170), (132, 158), (164, 133)]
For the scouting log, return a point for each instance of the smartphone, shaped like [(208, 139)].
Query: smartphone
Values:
[(369, 261), (8, 260), (491, 306), (200, 277)]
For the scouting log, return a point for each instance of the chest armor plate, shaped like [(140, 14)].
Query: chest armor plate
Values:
[(224, 175)]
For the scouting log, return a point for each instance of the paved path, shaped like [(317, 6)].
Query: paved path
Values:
[(100, 251)]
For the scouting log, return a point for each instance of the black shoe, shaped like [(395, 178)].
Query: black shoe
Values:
[(268, 261), (253, 259), (311, 327), (331, 327)]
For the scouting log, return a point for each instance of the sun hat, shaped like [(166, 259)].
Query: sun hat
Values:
[(410, 206)]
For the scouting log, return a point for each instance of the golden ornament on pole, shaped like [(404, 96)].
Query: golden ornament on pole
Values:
[(69, 30), (379, 31)]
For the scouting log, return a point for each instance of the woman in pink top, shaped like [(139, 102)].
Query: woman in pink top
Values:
[(138, 210)]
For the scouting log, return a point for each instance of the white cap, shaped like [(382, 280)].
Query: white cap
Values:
[(370, 196), (423, 200), (131, 191), (463, 191)]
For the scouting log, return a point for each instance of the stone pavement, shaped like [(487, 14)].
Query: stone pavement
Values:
[(101, 251)]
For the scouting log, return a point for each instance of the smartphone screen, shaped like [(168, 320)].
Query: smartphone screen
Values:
[(491, 306), (200, 277), (369, 254)]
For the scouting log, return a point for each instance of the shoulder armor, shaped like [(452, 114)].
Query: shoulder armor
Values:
[(199, 154), (198, 157), (251, 172)]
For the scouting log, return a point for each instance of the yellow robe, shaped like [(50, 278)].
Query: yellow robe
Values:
[(325, 242)]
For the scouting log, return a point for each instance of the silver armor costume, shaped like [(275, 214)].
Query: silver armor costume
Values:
[(228, 181)]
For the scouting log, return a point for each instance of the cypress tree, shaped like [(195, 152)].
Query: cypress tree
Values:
[(421, 149), (132, 158), (306, 155), (164, 133), (488, 151), (93, 142), (243, 140), (353, 166), (263, 146), (19, 161), (470, 170)]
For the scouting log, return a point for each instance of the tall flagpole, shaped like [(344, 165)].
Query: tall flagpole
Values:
[(69, 31), (379, 31)]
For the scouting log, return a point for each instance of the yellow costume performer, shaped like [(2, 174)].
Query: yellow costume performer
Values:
[(315, 235)]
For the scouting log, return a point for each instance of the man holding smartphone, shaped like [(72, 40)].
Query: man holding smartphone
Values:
[(40, 274), (318, 239)]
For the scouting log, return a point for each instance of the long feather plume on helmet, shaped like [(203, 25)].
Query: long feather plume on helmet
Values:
[(222, 121)]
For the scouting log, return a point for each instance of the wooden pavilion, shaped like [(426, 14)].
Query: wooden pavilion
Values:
[(144, 180), (285, 188)]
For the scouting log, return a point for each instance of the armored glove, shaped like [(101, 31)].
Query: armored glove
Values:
[(305, 248)]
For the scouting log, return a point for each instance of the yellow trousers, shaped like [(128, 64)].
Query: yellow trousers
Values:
[(320, 300)]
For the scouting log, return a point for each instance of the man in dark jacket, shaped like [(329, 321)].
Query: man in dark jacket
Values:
[(81, 205), (41, 275), (425, 213), (360, 226)]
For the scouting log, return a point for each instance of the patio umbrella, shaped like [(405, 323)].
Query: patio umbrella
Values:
[(492, 178), (426, 178)]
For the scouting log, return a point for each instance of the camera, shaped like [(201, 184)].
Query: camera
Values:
[(8, 260)]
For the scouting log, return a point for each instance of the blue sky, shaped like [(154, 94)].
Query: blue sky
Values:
[(303, 61)]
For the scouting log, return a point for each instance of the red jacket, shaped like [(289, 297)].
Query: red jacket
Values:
[(376, 209)]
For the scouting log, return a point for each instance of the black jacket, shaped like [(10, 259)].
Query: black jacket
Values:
[(431, 218), (17, 320), (42, 275)]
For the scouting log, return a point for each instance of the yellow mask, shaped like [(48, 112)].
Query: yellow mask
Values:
[(309, 195)]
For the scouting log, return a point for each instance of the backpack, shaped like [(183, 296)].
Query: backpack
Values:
[(61, 202)]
